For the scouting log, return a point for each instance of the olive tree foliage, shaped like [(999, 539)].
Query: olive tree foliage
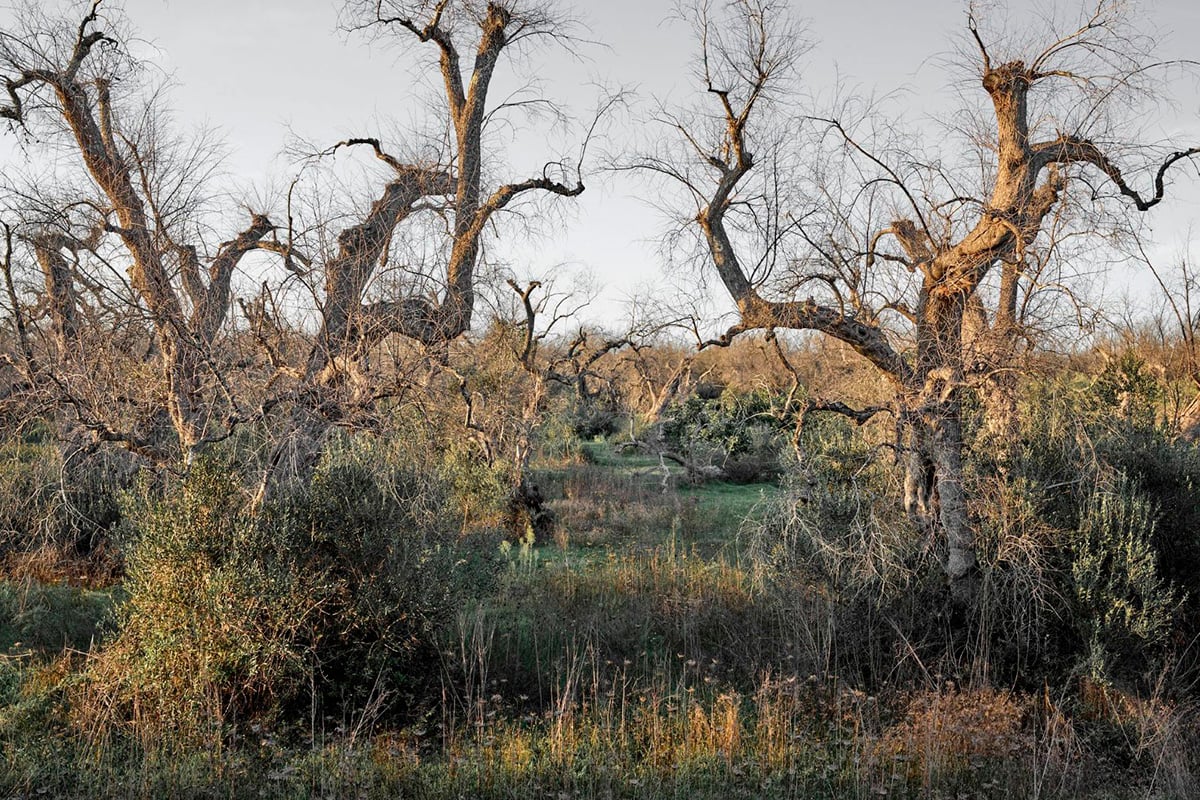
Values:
[(838, 223), (448, 196), (117, 214)]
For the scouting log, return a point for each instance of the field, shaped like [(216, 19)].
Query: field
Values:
[(652, 650), (381, 466)]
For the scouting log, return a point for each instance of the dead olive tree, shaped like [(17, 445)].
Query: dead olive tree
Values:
[(71, 82), (436, 302), (834, 223)]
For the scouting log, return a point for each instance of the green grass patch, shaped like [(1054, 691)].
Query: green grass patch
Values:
[(725, 506), (49, 618)]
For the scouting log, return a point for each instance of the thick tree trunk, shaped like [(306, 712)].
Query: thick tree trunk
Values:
[(948, 459), (990, 355), (920, 498), (667, 394), (349, 328), (1000, 383), (60, 290), (934, 468), (934, 496)]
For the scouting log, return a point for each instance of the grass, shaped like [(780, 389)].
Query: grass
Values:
[(790, 738), (49, 618), (632, 503), (727, 506), (647, 661)]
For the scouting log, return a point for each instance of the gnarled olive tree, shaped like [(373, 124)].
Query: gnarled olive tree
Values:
[(436, 304), (73, 82), (818, 222)]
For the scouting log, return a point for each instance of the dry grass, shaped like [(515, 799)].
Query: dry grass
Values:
[(55, 563), (597, 506), (945, 733)]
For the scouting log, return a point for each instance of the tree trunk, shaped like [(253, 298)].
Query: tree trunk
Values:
[(920, 498), (947, 458), (60, 290), (990, 355), (934, 467)]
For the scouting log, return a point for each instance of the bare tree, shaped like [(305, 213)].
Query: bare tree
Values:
[(75, 83), (489, 30), (437, 303), (529, 359), (1177, 325), (890, 248)]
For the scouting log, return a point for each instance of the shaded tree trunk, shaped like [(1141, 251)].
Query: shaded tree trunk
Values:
[(59, 280), (934, 497)]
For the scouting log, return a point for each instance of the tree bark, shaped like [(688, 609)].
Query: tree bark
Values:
[(351, 328)]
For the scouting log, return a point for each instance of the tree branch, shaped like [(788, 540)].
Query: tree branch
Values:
[(1068, 149)]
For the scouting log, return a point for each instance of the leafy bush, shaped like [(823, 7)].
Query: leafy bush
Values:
[(1128, 387), (1124, 608), (1076, 435), (475, 492), (218, 613), (328, 600), (736, 432), (395, 568), (1166, 471)]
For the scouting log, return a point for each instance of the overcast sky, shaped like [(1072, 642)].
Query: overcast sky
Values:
[(262, 70)]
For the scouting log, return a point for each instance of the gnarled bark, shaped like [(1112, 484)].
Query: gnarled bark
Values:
[(59, 281), (350, 326)]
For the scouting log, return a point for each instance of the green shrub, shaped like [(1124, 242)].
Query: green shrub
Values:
[(739, 433), (217, 617), (327, 601), (1166, 471), (475, 492), (1076, 433), (1124, 609), (1130, 389), (396, 568)]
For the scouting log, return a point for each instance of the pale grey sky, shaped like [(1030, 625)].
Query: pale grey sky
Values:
[(259, 70)]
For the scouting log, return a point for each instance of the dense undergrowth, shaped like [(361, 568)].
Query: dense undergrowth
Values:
[(378, 635)]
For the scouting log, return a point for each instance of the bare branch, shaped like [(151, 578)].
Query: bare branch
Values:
[(1074, 150)]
